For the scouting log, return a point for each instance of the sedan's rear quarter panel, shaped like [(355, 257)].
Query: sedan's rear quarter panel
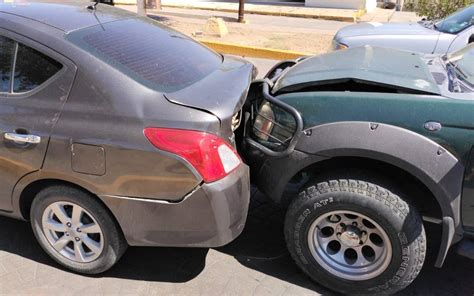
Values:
[(111, 114)]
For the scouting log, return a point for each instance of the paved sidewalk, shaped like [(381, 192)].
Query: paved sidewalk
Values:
[(404, 17), (283, 33), (380, 15), (347, 15), (312, 36)]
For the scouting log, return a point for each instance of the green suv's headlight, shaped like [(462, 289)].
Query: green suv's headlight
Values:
[(273, 126)]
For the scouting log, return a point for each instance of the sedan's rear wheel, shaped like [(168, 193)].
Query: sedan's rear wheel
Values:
[(73, 232), (76, 230)]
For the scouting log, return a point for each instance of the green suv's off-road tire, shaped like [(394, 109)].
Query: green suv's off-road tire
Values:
[(355, 237)]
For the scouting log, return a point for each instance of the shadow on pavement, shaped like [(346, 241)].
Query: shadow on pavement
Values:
[(261, 247), (175, 265), (455, 278)]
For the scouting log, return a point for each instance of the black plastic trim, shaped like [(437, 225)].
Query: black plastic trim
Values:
[(446, 240)]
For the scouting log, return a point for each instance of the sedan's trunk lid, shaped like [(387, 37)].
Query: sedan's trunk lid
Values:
[(222, 93)]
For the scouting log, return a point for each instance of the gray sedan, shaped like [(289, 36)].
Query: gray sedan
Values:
[(441, 36), (116, 131)]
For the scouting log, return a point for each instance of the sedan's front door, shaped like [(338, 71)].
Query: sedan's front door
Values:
[(34, 85)]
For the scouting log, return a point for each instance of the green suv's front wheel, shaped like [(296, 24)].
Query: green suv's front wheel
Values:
[(355, 237)]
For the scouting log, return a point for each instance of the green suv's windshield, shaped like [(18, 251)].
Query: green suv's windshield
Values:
[(456, 22), (463, 62)]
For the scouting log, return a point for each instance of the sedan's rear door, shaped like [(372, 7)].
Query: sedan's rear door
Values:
[(34, 85)]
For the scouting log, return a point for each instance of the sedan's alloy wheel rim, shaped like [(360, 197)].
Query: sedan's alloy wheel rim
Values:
[(349, 245), (72, 231)]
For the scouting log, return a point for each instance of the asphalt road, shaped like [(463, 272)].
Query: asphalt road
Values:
[(263, 65)]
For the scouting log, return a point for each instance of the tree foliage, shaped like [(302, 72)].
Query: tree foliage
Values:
[(436, 9)]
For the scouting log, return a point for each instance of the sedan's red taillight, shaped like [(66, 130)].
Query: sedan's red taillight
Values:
[(210, 155)]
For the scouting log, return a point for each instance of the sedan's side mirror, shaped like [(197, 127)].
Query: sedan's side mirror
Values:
[(471, 39)]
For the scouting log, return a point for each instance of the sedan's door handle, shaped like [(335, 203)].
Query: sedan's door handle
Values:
[(22, 139)]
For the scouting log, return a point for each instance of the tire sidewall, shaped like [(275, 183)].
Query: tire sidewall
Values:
[(111, 251), (303, 212)]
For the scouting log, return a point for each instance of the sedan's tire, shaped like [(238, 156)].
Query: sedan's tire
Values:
[(355, 237), (76, 230)]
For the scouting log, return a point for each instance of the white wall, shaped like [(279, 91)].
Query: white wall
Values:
[(368, 5)]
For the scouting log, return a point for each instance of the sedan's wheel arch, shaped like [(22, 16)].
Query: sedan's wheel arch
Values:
[(29, 186)]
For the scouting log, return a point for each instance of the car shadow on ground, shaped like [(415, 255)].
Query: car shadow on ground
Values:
[(261, 247), (172, 265)]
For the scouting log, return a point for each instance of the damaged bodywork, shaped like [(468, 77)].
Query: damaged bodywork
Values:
[(382, 111)]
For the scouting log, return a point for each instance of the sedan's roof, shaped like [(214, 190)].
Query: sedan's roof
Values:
[(64, 15), (378, 65)]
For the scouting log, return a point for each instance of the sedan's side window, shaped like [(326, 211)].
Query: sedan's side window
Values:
[(32, 69), (7, 52), (28, 67)]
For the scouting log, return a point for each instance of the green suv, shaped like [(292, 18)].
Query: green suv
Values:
[(361, 146)]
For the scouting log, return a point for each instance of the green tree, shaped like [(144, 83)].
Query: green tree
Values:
[(435, 9)]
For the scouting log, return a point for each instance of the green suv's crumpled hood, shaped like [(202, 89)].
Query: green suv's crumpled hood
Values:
[(379, 65)]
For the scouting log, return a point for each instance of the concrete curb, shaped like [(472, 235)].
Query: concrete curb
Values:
[(301, 13), (252, 51)]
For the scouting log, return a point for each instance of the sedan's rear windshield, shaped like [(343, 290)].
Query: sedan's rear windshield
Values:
[(150, 53)]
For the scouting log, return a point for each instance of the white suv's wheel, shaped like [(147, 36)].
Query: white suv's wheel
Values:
[(76, 230)]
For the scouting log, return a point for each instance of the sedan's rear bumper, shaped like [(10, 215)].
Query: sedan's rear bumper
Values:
[(212, 215)]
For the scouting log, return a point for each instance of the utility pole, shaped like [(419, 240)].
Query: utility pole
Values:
[(241, 11), (141, 8), (153, 4), (399, 5)]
